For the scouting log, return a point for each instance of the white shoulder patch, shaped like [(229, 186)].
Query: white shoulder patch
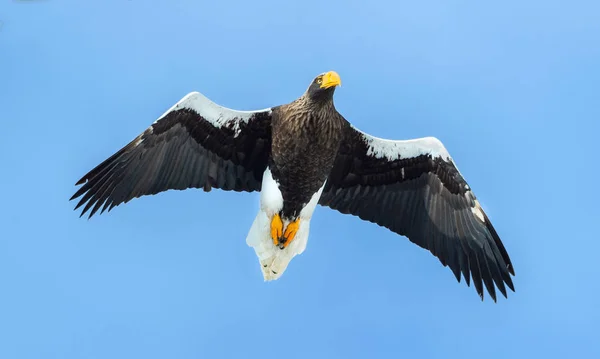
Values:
[(396, 149), (218, 115)]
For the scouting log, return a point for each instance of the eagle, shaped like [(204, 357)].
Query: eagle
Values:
[(303, 154)]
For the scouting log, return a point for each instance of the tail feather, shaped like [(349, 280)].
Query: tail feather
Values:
[(273, 260)]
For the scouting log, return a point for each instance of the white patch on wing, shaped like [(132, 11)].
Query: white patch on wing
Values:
[(218, 115), (395, 149), (478, 211), (138, 141)]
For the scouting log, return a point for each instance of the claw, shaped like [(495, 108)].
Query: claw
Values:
[(290, 233), (276, 229), (280, 238)]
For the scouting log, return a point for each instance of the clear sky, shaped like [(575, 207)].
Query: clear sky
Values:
[(512, 90)]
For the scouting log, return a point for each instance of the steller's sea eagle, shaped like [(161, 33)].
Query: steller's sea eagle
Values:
[(299, 155)]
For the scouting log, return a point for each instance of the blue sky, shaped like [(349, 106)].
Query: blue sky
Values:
[(511, 89)]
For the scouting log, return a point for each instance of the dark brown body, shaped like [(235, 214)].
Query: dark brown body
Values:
[(306, 138)]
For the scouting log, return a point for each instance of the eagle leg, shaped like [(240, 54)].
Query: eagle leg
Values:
[(276, 229), (280, 238), (289, 234)]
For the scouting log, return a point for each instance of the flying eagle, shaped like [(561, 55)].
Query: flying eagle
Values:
[(299, 155)]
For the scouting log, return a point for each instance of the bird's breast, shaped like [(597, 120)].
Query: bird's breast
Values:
[(303, 151)]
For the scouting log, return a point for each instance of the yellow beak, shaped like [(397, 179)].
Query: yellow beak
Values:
[(331, 79)]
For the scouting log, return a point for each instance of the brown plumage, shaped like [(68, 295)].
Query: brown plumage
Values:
[(306, 137)]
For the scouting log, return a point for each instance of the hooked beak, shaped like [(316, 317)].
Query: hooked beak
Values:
[(331, 79)]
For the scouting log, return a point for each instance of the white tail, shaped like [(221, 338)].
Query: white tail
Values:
[(273, 260)]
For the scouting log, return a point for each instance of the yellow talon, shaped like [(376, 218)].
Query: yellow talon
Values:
[(276, 229), (290, 232), (280, 238)]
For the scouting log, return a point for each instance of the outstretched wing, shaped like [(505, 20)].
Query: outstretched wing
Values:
[(194, 144), (414, 189)]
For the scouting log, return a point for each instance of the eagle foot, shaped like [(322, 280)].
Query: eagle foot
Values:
[(276, 229), (282, 238)]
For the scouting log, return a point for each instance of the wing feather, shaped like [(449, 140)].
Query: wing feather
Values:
[(194, 144), (413, 188)]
